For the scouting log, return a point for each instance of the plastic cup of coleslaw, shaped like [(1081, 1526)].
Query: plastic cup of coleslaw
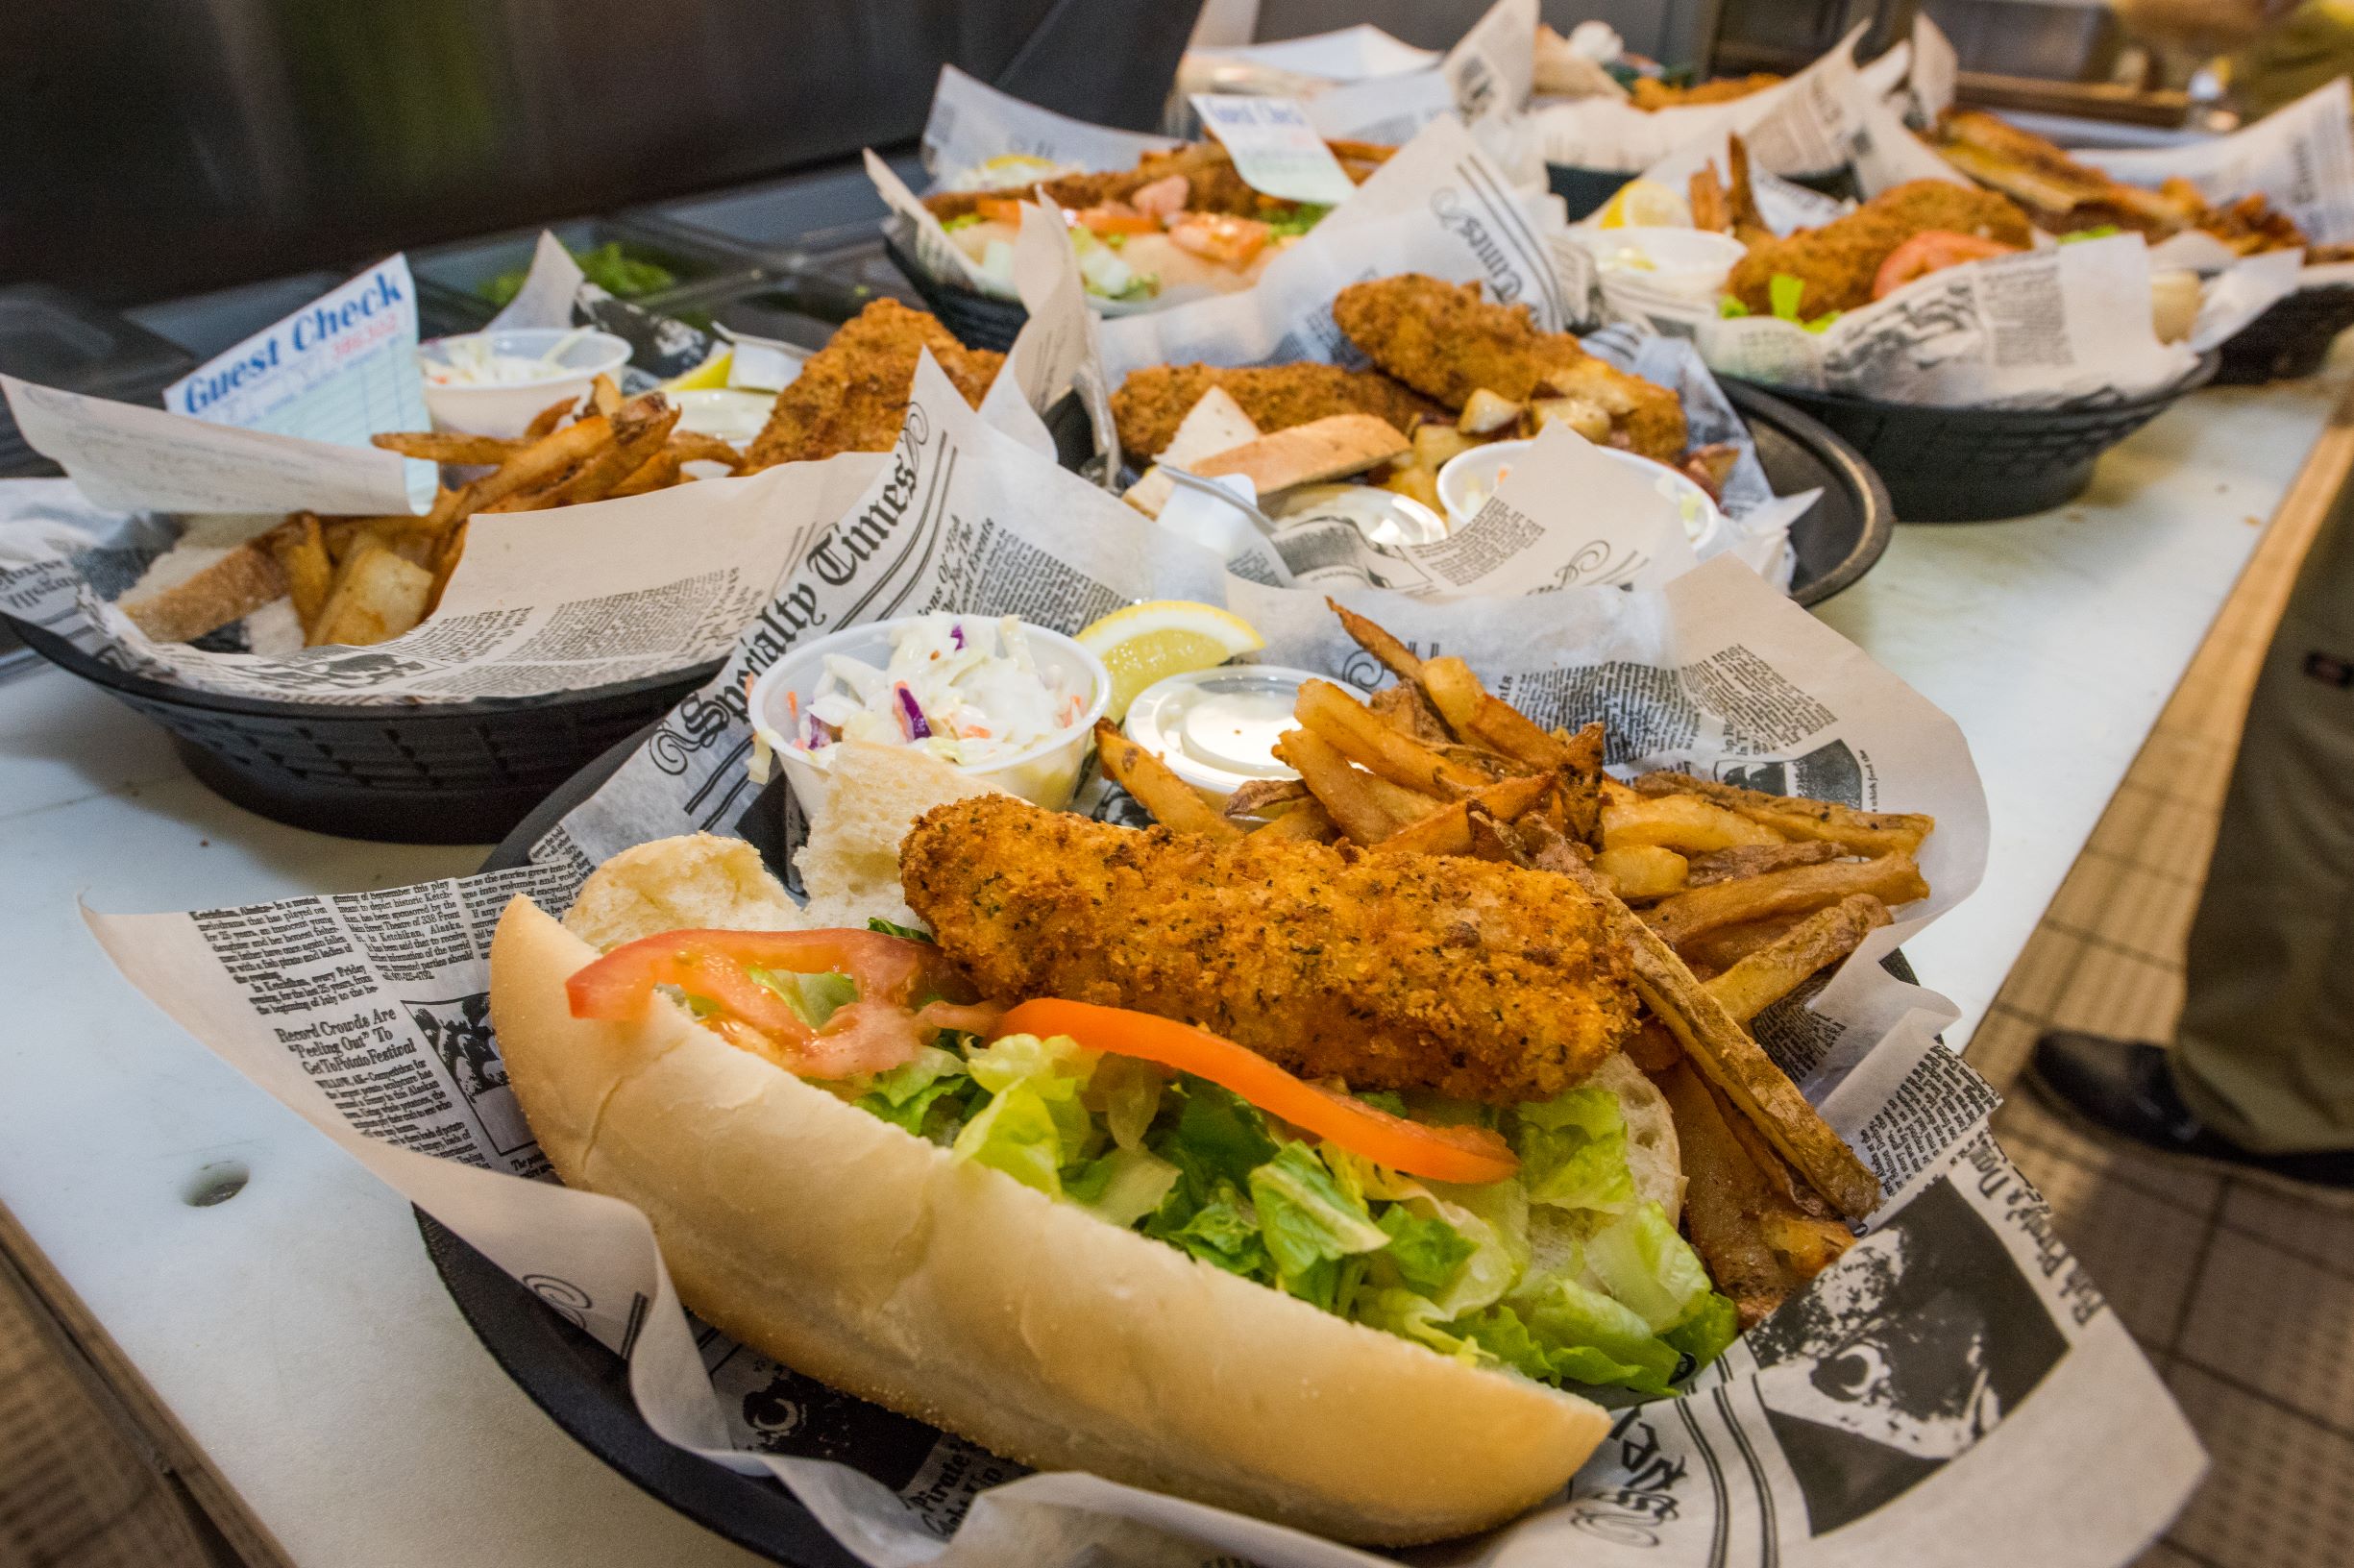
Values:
[(1039, 762), (492, 382)]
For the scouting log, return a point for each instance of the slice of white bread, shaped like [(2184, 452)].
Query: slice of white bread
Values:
[(218, 572), (701, 881), (850, 865), (874, 1261)]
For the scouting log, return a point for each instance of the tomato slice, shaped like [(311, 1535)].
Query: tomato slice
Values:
[(1115, 220), (1442, 1154), (877, 1032), (1220, 237), (999, 208), (1932, 250)]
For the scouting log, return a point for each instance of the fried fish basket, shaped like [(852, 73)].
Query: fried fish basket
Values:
[(2290, 339), (1979, 465), (978, 321), (457, 772)]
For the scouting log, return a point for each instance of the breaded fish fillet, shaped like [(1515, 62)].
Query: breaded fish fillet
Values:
[(852, 395), (1838, 261), (1152, 401), (1392, 972), (1447, 342)]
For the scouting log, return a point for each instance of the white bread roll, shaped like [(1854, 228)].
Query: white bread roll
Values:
[(872, 1260), (874, 794), (699, 881)]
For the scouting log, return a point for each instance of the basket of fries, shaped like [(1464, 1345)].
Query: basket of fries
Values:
[(1977, 465), (2289, 340), (455, 773)]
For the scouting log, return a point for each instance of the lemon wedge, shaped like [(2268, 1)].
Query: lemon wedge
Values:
[(709, 375), (1645, 204), (1163, 637)]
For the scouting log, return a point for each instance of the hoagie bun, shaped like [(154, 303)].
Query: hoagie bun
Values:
[(873, 1261)]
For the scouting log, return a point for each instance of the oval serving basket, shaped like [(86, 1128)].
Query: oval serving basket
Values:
[(2290, 339), (457, 772), (584, 1388), (1979, 465), (978, 321)]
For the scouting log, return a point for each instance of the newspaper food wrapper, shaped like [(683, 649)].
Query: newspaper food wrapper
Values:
[(554, 600), (1953, 1387), (2299, 158), (1799, 126), (2068, 325)]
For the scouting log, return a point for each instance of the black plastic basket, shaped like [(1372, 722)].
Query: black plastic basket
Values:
[(1977, 465), (459, 772), (978, 321), (2290, 339), (1586, 189)]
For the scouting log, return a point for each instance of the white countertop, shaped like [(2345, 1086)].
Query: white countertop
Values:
[(297, 1330)]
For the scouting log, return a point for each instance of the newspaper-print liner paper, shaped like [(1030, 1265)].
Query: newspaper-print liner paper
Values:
[(1957, 1366)]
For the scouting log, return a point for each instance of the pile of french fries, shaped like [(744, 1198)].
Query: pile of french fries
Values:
[(1728, 900), (364, 579)]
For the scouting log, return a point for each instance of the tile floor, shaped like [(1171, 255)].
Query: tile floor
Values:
[(2242, 1296), (2202, 1269)]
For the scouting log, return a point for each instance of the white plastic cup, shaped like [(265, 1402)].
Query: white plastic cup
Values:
[(1468, 478), (1046, 775), (505, 408), (1689, 264)]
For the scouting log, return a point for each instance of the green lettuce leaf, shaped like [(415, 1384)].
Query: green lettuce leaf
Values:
[(1126, 1092), (814, 997), (1017, 1133), (889, 928), (1644, 1265), (1426, 1250), (1573, 1152), (906, 1096), (1217, 1137), (1308, 1220), (1122, 1186), (1412, 1315), (1223, 1232), (1707, 1330)]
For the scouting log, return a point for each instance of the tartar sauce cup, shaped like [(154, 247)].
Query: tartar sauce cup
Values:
[(1045, 773), (1217, 728), (503, 407)]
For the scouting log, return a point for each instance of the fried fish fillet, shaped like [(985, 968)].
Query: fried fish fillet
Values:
[(1152, 401), (1212, 186), (1650, 95), (1394, 971), (1838, 261), (852, 395), (1447, 342), (2063, 195)]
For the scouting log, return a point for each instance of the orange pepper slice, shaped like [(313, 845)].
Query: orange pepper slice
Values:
[(1466, 1155)]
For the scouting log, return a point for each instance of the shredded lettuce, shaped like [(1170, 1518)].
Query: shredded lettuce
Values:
[(1310, 1222), (1122, 1185), (1570, 1334), (1647, 1268), (963, 220), (904, 1097), (1223, 1230), (1783, 292), (1426, 1250), (1296, 221), (892, 928), (814, 997), (1573, 1152)]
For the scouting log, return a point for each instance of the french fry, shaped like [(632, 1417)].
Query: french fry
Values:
[(1725, 1055), (301, 548), (605, 394), (1477, 717), (1801, 890), (1266, 797), (1722, 948), (656, 473), (1308, 821), (1487, 413), (377, 596), (1436, 445), (1359, 734), (1402, 708), (549, 418), (1710, 209), (1653, 1048), (639, 431), (1392, 656), (1795, 817), (1365, 808), (1493, 840), (1779, 968), (1448, 830), (1683, 822), (695, 446), (446, 447), (1758, 1243), (452, 548), (538, 466), (1172, 802), (1415, 483), (1642, 871), (1758, 859)]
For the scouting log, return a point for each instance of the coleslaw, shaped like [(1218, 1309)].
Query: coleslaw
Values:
[(963, 688)]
